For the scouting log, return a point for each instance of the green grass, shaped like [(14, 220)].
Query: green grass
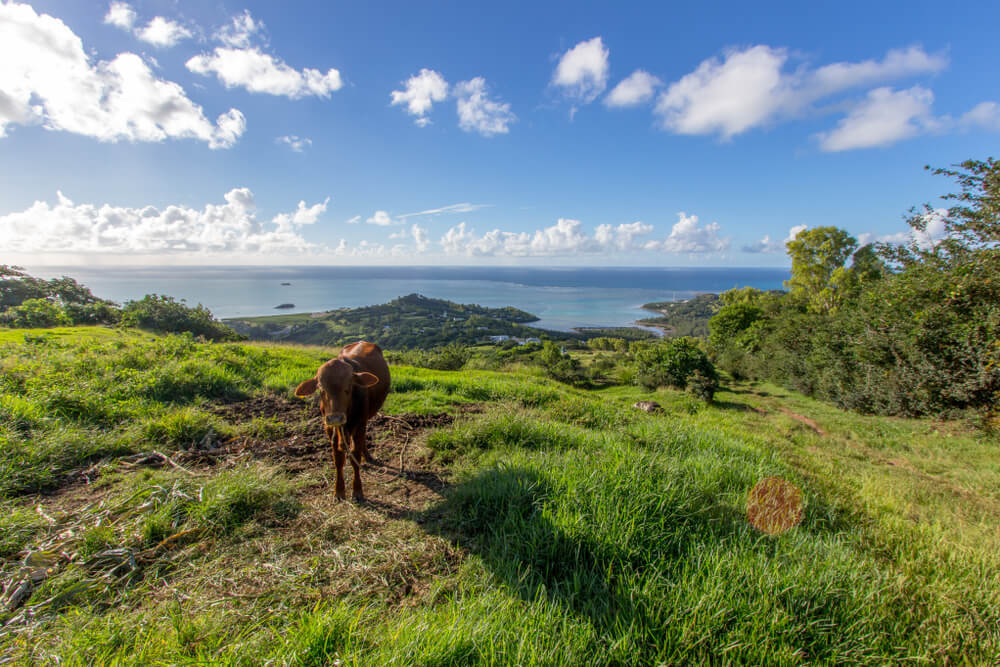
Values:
[(575, 530)]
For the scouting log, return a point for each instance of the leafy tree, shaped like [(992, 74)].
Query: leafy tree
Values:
[(16, 286), (816, 255)]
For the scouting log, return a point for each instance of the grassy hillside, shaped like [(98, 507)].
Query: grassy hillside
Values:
[(164, 501)]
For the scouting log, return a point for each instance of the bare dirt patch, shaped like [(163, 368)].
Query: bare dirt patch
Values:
[(402, 479), (803, 420)]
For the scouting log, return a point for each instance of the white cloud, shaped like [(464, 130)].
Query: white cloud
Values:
[(750, 87), (238, 32), (303, 215), (120, 15), (567, 238), (726, 97), (637, 89), (260, 72), (767, 245), (687, 237), (380, 218), (898, 63), (478, 113), (420, 237), (582, 72), (353, 221), (163, 32), (883, 118), (623, 237), (228, 228), (932, 234), (464, 207), (48, 79), (985, 115), (296, 143), (422, 91)]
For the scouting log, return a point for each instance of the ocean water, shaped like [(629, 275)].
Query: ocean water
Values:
[(563, 298)]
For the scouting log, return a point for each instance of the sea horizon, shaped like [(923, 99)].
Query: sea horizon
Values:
[(562, 297)]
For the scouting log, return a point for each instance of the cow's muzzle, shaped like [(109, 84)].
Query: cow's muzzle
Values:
[(335, 420)]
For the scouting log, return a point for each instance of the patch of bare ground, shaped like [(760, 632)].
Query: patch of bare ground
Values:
[(802, 419), (376, 550)]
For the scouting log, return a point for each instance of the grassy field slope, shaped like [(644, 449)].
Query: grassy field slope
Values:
[(169, 502)]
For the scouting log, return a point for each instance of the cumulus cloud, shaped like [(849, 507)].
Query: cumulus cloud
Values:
[(260, 72), (985, 115), (380, 218), (47, 78), (163, 32), (767, 245), (624, 237), (421, 92), (567, 237), (238, 32), (687, 237), (478, 113), (120, 15), (637, 89), (726, 97), (296, 143), (228, 228), (884, 117), (925, 239), (751, 87), (582, 72)]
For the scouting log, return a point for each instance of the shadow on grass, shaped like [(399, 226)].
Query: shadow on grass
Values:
[(500, 515)]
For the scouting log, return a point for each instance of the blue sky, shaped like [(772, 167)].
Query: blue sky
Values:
[(660, 134)]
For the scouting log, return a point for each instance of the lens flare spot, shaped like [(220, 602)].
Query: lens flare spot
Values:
[(774, 506)]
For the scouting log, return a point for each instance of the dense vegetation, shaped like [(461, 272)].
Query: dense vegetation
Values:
[(567, 527), (905, 330), (412, 321)]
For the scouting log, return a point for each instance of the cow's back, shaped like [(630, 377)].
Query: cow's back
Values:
[(368, 357)]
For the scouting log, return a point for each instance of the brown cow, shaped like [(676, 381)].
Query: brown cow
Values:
[(352, 388)]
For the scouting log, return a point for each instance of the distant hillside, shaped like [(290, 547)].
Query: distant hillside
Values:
[(683, 318), (412, 321)]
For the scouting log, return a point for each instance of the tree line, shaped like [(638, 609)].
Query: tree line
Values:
[(898, 329)]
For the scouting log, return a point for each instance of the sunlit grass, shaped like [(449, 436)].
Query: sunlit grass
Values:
[(576, 530)]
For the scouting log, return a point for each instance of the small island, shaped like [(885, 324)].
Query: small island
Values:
[(283, 306), (285, 284)]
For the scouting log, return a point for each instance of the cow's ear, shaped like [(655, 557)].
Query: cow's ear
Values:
[(307, 388), (365, 380)]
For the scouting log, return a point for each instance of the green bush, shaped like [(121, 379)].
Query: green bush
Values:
[(36, 314), (163, 313), (671, 363)]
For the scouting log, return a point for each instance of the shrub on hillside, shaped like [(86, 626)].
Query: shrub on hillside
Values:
[(671, 363), (165, 314), (98, 312), (34, 314)]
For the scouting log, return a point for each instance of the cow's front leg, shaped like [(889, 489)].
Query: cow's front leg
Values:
[(358, 436), (338, 447)]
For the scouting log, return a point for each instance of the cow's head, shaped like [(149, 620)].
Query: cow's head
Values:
[(336, 381)]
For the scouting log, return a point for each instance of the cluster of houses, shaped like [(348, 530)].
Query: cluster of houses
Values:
[(519, 341)]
